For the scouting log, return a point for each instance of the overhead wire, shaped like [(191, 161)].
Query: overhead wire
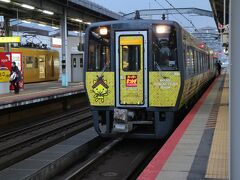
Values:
[(170, 14), (195, 28)]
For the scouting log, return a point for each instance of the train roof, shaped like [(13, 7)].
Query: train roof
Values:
[(135, 23), (145, 24)]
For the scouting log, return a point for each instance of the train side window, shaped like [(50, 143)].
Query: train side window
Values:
[(190, 68), (196, 62), (81, 62), (208, 61), (74, 62), (200, 61), (192, 61), (131, 57), (204, 62), (165, 49), (29, 62), (98, 51), (35, 64)]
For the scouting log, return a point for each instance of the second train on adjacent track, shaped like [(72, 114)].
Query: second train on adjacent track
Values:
[(39, 65), (140, 73)]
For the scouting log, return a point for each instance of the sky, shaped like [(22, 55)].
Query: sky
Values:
[(128, 6)]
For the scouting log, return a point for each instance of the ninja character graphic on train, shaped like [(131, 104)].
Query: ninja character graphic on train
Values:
[(100, 89)]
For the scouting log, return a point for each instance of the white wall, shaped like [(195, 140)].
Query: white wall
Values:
[(73, 42)]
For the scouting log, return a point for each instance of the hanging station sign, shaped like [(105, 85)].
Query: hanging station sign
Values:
[(12, 39)]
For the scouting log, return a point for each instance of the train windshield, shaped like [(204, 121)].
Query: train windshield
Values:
[(164, 48), (99, 50)]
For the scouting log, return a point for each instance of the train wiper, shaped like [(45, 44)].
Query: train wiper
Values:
[(157, 65), (106, 65), (159, 69)]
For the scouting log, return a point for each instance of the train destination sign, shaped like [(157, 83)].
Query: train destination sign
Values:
[(12, 39)]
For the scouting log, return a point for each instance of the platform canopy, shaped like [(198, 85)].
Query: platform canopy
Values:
[(218, 11), (51, 11)]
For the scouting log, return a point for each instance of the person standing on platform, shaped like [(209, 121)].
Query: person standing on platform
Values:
[(15, 77), (218, 67)]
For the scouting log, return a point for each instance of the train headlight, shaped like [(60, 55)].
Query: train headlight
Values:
[(103, 31), (160, 29)]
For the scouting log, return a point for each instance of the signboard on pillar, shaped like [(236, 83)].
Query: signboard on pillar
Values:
[(56, 42), (12, 39), (6, 59)]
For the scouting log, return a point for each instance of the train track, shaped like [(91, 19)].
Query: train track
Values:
[(19, 144), (119, 159)]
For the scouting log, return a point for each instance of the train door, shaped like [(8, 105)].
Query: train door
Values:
[(131, 68), (51, 66), (42, 67), (77, 67)]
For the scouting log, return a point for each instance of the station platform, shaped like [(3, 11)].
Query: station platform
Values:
[(39, 92), (198, 148)]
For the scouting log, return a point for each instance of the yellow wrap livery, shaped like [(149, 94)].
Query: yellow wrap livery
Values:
[(100, 88), (163, 88)]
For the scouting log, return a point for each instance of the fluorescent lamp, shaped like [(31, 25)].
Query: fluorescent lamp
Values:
[(24, 21), (27, 6), (76, 32), (78, 20), (55, 27), (88, 23), (42, 25), (48, 12), (6, 1)]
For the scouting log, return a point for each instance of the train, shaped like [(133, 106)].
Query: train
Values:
[(140, 73), (39, 65)]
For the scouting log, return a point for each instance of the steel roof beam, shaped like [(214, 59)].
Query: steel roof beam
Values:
[(150, 12)]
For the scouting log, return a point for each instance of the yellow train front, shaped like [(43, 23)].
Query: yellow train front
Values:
[(139, 73)]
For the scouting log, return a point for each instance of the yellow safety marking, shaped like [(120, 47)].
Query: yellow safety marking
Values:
[(218, 158)]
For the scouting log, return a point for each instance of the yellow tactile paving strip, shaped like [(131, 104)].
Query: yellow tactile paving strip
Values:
[(218, 158)]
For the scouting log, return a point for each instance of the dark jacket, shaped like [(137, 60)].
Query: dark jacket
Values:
[(16, 70)]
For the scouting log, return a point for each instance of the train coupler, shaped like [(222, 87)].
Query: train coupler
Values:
[(122, 120)]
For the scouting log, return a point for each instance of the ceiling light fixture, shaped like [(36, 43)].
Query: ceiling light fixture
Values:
[(27, 6), (77, 20), (24, 21), (6, 1), (55, 27), (48, 12)]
